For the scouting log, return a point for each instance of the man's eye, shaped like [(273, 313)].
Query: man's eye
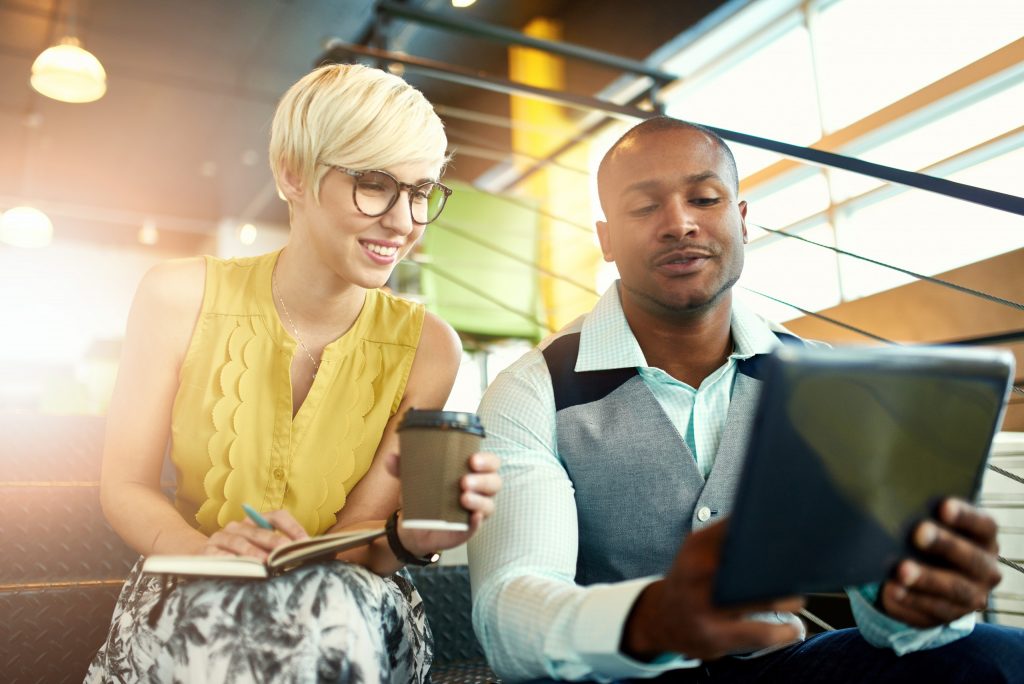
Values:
[(644, 210), (420, 196), (705, 201)]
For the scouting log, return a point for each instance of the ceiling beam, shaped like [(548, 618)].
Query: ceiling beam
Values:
[(984, 68)]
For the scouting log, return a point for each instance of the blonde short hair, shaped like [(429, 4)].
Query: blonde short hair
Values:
[(353, 116)]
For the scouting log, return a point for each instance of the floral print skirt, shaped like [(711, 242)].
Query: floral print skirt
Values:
[(327, 622)]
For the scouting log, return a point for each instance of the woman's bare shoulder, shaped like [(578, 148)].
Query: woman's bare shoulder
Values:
[(435, 365), (438, 338), (174, 286), (167, 304)]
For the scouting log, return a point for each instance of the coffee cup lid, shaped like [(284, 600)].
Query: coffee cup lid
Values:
[(445, 420)]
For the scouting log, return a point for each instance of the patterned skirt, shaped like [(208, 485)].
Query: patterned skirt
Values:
[(327, 622)]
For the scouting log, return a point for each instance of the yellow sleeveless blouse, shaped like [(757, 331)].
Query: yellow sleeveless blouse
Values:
[(233, 438)]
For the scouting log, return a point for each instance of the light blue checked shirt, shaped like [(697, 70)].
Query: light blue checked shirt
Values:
[(531, 617)]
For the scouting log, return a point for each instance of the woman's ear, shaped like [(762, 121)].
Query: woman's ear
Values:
[(291, 185)]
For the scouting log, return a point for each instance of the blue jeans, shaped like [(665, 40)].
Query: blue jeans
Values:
[(990, 654)]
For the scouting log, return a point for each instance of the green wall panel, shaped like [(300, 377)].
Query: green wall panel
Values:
[(464, 247)]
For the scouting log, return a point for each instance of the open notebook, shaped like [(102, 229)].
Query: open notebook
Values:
[(850, 449), (281, 559)]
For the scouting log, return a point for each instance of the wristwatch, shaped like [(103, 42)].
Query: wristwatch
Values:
[(402, 553)]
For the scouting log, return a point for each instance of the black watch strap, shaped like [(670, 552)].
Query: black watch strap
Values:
[(402, 553)]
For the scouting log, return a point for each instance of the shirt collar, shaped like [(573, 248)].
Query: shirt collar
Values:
[(607, 342), (752, 334)]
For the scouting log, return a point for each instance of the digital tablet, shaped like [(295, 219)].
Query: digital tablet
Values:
[(850, 449)]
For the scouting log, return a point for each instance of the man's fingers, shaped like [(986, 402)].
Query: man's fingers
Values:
[(896, 606), (946, 585), (963, 554), (484, 462), (938, 609), (971, 522), (707, 539)]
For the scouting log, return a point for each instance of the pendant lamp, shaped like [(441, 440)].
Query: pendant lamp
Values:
[(68, 73), (25, 226)]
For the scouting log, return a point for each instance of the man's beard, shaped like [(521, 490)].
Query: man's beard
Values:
[(671, 309)]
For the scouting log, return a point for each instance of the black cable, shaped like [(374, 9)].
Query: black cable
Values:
[(822, 317), (860, 331), (918, 276), (512, 255), (488, 144), (1012, 564), (526, 205), (483, 295), (1007, 473)]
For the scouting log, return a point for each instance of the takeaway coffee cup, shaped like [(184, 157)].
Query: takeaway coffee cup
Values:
[(435, 451)]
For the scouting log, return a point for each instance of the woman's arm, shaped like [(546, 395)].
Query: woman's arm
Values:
[(377, 494), (160, 325)]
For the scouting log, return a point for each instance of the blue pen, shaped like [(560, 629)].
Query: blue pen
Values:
[(255, 516)]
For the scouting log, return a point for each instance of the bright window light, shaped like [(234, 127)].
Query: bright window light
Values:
[(60, 298), (795, 272), (930, 234), (874, 52), (789, 204), (769, 93), (939, 139)]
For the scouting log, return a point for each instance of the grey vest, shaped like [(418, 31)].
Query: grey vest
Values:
[(637, 486)]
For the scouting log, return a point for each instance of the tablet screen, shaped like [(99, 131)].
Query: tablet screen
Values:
[(850, 449)]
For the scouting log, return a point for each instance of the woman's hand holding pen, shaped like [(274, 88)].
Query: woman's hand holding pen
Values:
[(256, 536), (479, 487)]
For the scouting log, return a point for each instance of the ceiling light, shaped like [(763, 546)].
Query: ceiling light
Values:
[(148, 234), (68, 73), (462, 3), (247, 234), (25, 227)]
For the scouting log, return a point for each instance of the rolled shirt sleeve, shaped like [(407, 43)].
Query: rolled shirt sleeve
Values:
[(530, 616), (881, 631)]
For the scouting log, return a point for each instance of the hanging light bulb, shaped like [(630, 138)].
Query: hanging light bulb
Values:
[(247, 234), (25, 227), (68, 73), (462, 3), (148, 234)]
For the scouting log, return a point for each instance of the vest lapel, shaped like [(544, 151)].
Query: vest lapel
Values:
[(650, 406), (732, 448)]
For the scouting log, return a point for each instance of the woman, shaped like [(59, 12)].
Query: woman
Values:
[(279, 381)]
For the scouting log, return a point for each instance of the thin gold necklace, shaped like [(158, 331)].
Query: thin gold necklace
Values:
[(295, 330)]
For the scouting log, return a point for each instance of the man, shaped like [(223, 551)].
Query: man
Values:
[(612, 458)]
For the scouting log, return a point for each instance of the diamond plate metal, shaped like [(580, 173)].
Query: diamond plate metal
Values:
[(52, 635)]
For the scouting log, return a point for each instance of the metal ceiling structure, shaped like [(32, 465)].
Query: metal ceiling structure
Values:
[(180, 137)]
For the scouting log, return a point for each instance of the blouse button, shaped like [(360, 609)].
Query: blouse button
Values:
[(278, 473)]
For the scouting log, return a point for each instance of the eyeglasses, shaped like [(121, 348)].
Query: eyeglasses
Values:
[(375, 192)]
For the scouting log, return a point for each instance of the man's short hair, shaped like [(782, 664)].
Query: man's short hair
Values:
[(353, 116), (659, 124)]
